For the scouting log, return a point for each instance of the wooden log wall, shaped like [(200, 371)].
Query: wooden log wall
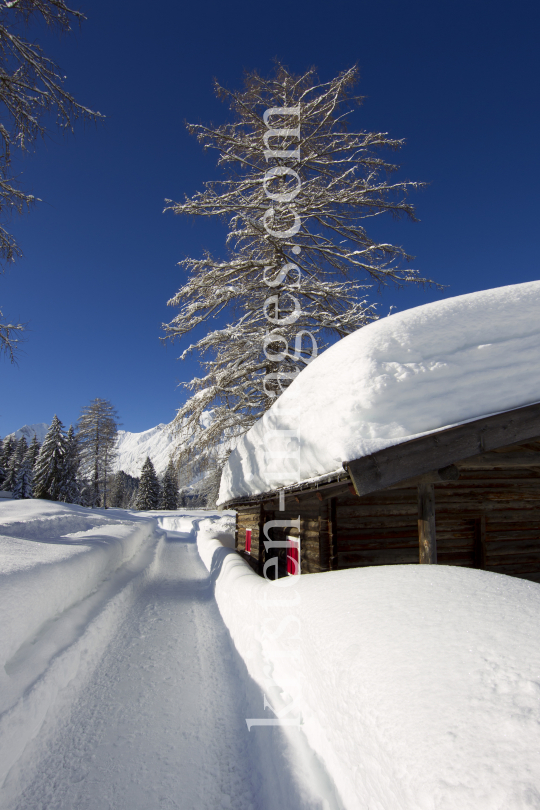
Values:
[(506, 512), (251, 517), (488, 518), (315, 532), (377, 529)]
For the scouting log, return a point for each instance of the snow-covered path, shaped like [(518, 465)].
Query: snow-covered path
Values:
[(162, 722)]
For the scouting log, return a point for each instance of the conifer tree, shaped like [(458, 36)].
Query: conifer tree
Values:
[(297, 188), (117, 491), (70, 491), (97, 434), (135, 497), (33, 450), (24, 480), (49, 469), (2, 471), (169, 488), (14, 464), (9, 447), (123, 488), (148, 496)]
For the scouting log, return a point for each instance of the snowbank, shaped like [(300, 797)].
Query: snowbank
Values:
[(65, 578), (186, 521), (411, 373), (53, 555), (418, 686)]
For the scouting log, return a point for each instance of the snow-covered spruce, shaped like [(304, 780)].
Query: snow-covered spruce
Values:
[(123, 488), (33, 450), (149, 490), (17, 462), (169, 488), (49, 469), (71, 490), (24, 480), (14, 464)]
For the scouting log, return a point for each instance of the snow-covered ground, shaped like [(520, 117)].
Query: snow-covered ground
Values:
[(419, 370), (418, 686), (67, 576), (145, 666), (125, 691)]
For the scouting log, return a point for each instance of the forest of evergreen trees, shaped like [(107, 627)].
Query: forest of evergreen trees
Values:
[(76, 467)]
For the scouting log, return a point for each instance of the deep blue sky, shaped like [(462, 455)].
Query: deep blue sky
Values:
[(458, 80)]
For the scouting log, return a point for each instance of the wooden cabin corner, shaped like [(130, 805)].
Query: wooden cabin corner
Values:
[(467, 496)]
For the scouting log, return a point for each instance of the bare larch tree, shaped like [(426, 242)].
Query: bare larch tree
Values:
[(96, 438), (297, 186)]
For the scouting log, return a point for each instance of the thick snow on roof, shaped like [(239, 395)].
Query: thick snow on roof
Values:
[(402, 376)]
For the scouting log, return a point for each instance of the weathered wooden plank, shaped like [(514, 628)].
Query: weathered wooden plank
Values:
[(533, 577), (449, 541), (443, 448), (426, 524), (360, 548), (375, 511), (455, 557), (480, 543), (450, 473), (381, 536), (333, 534), (377, 521), (515, 569), (381, 526), (394, 557), (497, 460), (401, 541), (514, 533), (498, 549)]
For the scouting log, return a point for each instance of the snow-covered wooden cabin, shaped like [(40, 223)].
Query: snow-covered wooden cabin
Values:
[(416, 439)]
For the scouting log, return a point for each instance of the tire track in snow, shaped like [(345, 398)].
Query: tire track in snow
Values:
[(162, 721)]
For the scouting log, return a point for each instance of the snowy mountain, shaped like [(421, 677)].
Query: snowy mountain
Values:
[(29, 431), (134, 447)]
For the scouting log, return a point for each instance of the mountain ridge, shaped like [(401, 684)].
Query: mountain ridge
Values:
[(132, 448)]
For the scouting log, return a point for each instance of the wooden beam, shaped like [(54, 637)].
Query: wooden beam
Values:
[(442, 448), (427, 536)]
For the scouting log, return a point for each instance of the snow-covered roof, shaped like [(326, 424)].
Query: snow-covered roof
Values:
[(411, 373)]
